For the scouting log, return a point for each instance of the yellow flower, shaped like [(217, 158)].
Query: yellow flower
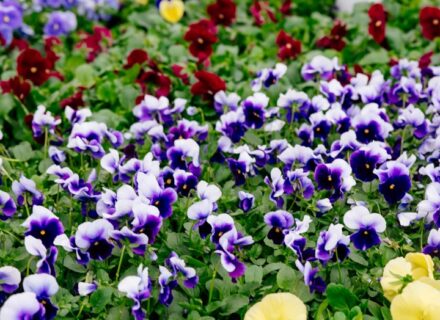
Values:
[(414, 266), (420, 300), (171, 10), (141, 2), (278, 306)]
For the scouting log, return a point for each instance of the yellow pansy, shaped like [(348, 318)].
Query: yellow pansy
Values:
[(172, 10), (415, 265), (278, 306), (420, 300)]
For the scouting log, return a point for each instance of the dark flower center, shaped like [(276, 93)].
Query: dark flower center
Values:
[(367, 131), (157, 203), (221, 16), (34, 70), (435, 22), (378, 23), (365, 233), (367, 166), (329, 178), (43, 232), (200, 40), (168, 181), (184, 187), (6, 19), (392, 186), (288, 46)]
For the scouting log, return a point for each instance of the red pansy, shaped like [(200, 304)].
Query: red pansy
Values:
[(155, 83), (286, 8), (378, 20), (222, 12), (95, 43), (289, 48), (208, 84), (335, 39), (430, 22), (178, 72), (75, 101), (259, 9), (51, 56), (425, 60), (136, 56), (31, 65), (16, 85), (201, 35)]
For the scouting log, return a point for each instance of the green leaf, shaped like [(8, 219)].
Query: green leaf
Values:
[(340, 297), (320, 312), (6, 104), (254, 274), (23, 151), (107, 116), (117, 313), (286, 278), (85, 75), (379, 56), (234, 303), (101, 297), (127, 96), (71, 264)]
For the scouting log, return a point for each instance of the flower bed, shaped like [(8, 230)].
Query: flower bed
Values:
[(219, 160)]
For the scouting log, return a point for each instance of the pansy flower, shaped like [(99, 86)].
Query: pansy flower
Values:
[(7, 206), (254, 110), (371, 124), (48, 257), (311, 278), (276, 183), (60, 23), (17, 86), (10, 279), (262, 12), (44, 286), (366, 159), (14, 308), (232, 125), (44, 225), (335, 39), (137, 288), (224, 102), (222, 12), (44, 120), (430, 22), (279, 221), (25, 187), (320, 67), (377, 24), (201, 35), (288, 47), (94, 238), (146, 220), (367, 225), (208, 84), (332, 244), (433, 246), (394, 180), (31, 65), (334, 176), (246, 202), (267, 77), (430, 206)]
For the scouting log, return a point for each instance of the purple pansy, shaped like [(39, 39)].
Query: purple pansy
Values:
[(394, 180), (332, 244), (254, 110), (335, 176), (147, 220), (14, 308), (7, 206), (279, 221), (268, 77), (94, 238), (246, 202), (320, 67), (367, 225), (44, 286), (24, 187), (44, 225), (60, 23), (224, 102), (42, 121), (433, 246), (35, 247), (232, 125), (10, 279), (366, 159), (311, 279)]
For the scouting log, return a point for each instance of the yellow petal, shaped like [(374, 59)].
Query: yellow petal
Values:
[(172, 11), (278, 306), (418, 301), (422, 265), (394, 270)]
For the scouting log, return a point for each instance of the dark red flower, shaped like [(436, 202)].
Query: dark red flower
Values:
[(425, 60), (96, 42), (31, 65), (136, 56), (51, 56), (289, 48), (286, 8), (222, 12), (154, 82), (430, 22), (16, 85), (208, 84), (75, 101), (259, 9), (19, 44), (178, 72), (335, 39), (201, 35), (378, 20)]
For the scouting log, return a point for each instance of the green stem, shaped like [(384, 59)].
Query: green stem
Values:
[(46, 142), (83, 304), (10, 159), (28, 266), (211, 285), (339, 266), (120, 263), (26, 205), (422, 230)]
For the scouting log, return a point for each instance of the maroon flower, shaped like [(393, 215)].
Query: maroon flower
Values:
[(425, 60), (75, 101), (289, 48), (19, 44), (96, 42), (178, 72), (430, 22), (51, 56), (335, 39), (154, 82), (136, 56), (378, 20), (222, 12), (201, 35), (286, 8), (16, 85), (258, 9), (208, 84), (31, 65)]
